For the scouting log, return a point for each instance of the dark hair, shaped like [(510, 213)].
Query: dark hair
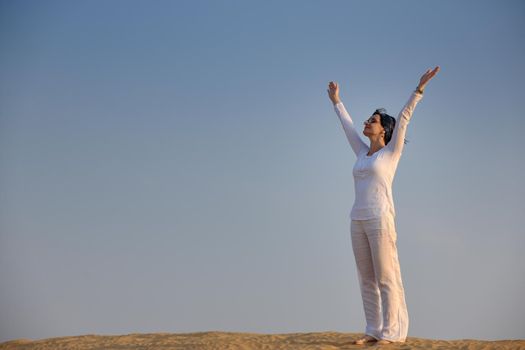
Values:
[(388, 122)]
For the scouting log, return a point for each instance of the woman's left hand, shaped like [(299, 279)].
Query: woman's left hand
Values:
[(429, 74)]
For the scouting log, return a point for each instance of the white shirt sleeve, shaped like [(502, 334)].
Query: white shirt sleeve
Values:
[(348, 125), (398, 136)]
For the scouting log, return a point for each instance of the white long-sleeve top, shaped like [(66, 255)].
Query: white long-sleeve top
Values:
[(373, 175)]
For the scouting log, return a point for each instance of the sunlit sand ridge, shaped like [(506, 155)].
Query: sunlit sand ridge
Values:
[(231, 340)]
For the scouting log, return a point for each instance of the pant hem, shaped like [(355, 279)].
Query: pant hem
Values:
[(395, 340), (373, 336)]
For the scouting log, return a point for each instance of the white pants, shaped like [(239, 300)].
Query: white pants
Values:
[(378, 270)]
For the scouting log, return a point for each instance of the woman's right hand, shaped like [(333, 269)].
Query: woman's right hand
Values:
[(333, 92)]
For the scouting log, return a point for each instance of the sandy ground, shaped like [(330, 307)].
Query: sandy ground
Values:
[(230, 340)]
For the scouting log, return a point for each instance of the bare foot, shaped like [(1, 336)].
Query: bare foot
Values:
[(384, 341), (366, 339)]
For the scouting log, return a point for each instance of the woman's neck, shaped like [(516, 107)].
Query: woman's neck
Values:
[(375, 146)]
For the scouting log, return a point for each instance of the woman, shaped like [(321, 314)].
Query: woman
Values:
[(372, 216)]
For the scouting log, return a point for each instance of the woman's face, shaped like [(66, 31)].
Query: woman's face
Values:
[(373, 126)]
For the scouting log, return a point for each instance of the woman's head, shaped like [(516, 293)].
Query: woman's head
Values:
[(380, 123)]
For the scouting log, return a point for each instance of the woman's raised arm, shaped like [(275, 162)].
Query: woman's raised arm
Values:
[(398, 135), (396, 143), (348, 124)]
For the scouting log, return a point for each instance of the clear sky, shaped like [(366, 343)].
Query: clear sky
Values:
[(177, 166)]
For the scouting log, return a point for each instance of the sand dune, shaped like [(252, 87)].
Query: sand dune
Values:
[(230, 340)]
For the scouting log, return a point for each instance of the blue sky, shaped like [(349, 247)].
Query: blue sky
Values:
[(177, 166)]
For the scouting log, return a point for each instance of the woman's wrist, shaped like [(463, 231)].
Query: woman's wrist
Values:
[(420, 89)]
